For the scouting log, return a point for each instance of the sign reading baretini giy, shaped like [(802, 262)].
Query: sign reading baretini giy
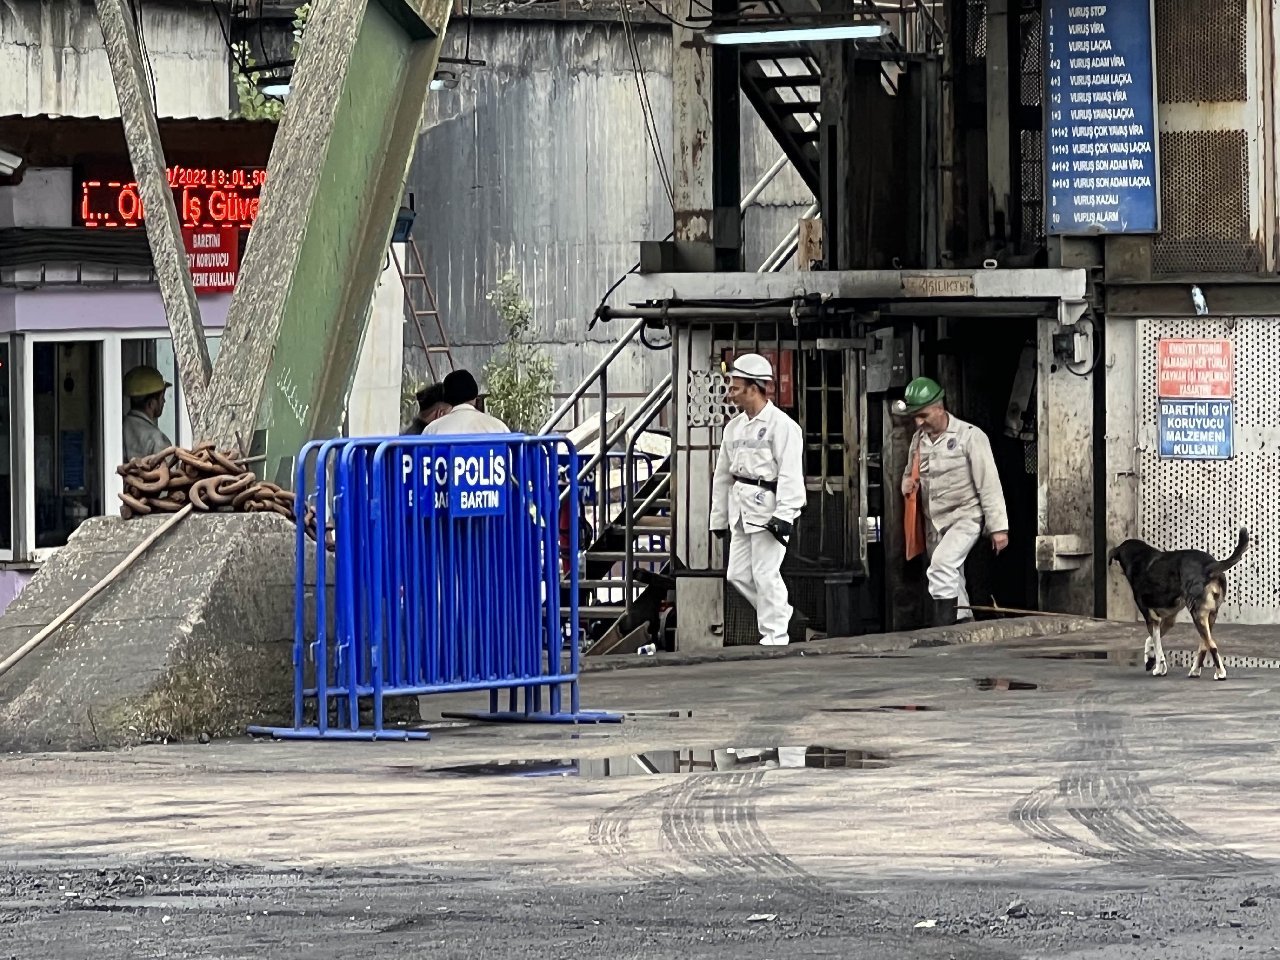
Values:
[(1195, 382)]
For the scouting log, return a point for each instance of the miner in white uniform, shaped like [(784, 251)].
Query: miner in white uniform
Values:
[(758, 493), (959, 490)]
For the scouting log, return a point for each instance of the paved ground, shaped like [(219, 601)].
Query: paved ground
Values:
[(1041, 798)]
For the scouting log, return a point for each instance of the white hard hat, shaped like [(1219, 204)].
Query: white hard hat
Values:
[(751, 366)]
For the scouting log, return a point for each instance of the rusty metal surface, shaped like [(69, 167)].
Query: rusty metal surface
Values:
[(1201, 52), (1204, 192), (212, 481)]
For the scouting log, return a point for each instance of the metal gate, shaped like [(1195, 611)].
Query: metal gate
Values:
[(1202, 504)]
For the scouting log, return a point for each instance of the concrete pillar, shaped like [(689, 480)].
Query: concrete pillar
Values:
[(335, 183), (164, 230), (691, 114), (373, 408)]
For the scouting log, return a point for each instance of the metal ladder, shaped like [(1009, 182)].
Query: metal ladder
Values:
[(421, 301)]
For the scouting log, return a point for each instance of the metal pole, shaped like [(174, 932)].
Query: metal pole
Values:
[(603, 442), (783, 251)]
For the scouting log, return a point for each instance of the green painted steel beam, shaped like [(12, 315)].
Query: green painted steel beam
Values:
[(334, 186)]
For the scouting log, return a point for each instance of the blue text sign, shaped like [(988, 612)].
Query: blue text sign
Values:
[(1100, 118), (1197, 429), (467, 481)]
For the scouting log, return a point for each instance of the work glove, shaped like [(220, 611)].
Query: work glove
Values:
[(719, 534), (781, 529)]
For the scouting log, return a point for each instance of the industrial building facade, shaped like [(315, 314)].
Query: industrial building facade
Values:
[(1064, 212)]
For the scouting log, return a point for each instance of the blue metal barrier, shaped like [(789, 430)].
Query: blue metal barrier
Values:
[(444, 578)]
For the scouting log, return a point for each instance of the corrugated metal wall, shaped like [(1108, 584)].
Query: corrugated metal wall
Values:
[(52, 60), (538, 162)]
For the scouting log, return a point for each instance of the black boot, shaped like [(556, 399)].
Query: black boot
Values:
[(944, 612)]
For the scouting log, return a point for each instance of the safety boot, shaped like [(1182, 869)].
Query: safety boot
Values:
[(944, 612)]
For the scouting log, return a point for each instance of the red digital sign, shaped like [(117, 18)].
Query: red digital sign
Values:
[(206, 198), (213, 256)]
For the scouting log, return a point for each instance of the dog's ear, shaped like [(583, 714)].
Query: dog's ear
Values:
[(1111, 555)]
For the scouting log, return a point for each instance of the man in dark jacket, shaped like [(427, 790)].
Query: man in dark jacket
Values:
[(431, 407)]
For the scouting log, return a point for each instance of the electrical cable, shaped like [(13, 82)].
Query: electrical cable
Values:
[(1097, 351), (646, 105), (670, 19), (135, 7)]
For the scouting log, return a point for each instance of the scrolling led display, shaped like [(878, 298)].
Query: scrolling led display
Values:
[(205, 197)]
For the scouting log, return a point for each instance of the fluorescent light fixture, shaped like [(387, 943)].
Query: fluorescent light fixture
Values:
[(846, 31), (274, 86), (444, 80)]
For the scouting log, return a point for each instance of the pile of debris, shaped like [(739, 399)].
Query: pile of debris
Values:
[(210, 480)]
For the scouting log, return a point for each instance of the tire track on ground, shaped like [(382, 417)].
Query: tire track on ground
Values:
[(1104, 793)]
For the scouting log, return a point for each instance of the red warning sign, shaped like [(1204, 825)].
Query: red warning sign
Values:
[(1196, 369), (213, 256)]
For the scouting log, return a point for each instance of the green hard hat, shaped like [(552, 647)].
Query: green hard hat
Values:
[(921, 392)]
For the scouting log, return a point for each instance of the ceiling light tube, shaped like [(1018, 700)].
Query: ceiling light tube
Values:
[(846, 31)]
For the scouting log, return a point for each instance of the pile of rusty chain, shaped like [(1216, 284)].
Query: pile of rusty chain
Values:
[(208, 479)]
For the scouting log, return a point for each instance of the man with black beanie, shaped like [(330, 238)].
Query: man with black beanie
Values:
[(461, 392), (431, 407)]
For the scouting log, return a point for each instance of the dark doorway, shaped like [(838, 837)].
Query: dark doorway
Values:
[(979, 361)]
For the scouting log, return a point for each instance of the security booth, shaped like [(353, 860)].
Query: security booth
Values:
[(844, 344), (79, 306)]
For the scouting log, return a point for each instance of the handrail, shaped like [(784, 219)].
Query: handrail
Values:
[(628, 463), (607, 442), (596, 372)]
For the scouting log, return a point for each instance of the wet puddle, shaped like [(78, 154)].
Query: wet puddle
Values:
[(682, 761), (1004, 683)]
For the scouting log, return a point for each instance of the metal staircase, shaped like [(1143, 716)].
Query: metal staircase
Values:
[(784, 82)]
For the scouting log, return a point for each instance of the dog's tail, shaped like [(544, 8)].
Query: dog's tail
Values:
[(1241, 546)]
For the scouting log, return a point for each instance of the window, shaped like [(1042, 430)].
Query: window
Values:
[(67, 463)]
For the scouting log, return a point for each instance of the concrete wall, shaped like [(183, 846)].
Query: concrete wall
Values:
[(538, 162), (52, 59)]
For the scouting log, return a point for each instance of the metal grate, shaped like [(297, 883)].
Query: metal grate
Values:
[(807, 594), (976, 31), (1202, 51), (1204, 193), (1202, 505)]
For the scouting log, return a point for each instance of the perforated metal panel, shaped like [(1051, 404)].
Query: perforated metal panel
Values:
[(708, 399), (1202, 505), (1201, 50), (976, 31), (1204, 194)]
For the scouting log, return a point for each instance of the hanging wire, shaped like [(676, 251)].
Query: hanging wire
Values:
[(135, 7), (646, 105)]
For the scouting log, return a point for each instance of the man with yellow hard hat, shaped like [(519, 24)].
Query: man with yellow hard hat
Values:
[(145, 387)]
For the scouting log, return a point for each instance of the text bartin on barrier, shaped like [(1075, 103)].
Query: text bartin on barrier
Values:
[(468, 481)]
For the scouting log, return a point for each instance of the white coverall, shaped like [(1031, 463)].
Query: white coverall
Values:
[(768, 446), (962, 498), (462, 420)]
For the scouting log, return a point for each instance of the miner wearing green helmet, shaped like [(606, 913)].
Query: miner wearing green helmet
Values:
[(951, 469)]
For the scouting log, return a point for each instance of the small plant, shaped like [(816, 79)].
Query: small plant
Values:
[(253, 103), (521, 376)]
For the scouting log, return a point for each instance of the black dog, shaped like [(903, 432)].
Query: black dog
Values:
[(1164, 582)]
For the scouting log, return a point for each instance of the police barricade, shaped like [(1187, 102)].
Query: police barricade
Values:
[(443, 577)]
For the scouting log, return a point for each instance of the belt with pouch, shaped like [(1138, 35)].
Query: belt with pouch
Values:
[(770, 485)]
